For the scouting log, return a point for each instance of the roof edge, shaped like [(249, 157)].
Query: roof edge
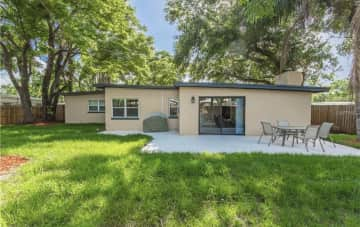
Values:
[(312, 89), (107, 85), (76, 93)]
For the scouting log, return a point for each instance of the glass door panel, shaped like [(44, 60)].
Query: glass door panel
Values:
[(221, 115), (209, 115)]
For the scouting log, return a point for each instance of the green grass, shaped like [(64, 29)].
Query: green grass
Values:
[(346, 139), (79, 178)]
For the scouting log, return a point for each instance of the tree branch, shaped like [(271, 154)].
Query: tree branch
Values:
[(8, 66)]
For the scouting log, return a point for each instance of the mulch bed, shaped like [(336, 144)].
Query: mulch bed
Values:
[(10, 161)]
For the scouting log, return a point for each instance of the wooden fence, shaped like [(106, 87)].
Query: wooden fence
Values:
[(13, 114), (343, 117)]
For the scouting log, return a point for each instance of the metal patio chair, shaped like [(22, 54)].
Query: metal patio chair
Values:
[(324, 133), (311, 134), (284, 123), (268, 130)]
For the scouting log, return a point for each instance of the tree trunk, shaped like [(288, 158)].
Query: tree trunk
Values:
[(355, 73), (54, 107), (26, 106), (48, 71), (24, 72), (357, 113), (284, 55)]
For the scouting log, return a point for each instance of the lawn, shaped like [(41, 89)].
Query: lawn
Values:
[(346, 139), (76, 177)]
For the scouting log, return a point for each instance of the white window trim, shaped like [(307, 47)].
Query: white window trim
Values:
[(125, 109), (177, 109), (98, 106)]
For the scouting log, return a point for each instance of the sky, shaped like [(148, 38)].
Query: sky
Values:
[(151, 14)]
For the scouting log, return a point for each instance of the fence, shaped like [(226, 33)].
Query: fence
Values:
[(13, 114), (343, 116)]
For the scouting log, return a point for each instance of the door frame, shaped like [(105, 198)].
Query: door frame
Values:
[(244, 111)]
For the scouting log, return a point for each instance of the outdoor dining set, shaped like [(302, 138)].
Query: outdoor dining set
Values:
[(305, 134)]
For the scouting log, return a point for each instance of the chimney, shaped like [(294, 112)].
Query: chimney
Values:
[(289, 78)]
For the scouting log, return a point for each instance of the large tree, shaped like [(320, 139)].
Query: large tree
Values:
[(248, 40), (18, 36), (64, 35)]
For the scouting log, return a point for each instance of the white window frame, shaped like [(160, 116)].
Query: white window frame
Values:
[(125, 109), (98, 106), (177, 108)]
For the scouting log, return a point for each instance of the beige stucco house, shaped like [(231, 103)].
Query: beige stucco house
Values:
[(193, 108)]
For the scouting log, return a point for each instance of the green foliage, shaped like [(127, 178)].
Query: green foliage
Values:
[(346, 139), (76, 177), (94, 41), (163, 70), (339, 91), (35, 86), (242, 40)]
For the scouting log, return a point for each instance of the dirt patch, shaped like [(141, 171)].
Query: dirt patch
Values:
[(45, 123), (9, 162)]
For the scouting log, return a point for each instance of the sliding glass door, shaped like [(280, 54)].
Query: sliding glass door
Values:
[(222, 115)]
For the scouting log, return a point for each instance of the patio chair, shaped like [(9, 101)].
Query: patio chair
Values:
[(268, 130), (283, 123), (324, 133), (311, 134)]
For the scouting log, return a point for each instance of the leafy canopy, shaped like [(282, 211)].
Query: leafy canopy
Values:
[(243, 40)]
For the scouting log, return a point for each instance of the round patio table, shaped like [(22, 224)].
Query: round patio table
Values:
[(290, 130)]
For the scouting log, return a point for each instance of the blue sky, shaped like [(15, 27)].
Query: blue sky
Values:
[(151, 14)]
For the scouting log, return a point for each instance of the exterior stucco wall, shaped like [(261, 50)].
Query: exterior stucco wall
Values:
[(259, 105), (76, 109), (150, 101)]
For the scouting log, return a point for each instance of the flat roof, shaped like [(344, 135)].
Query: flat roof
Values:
[(105, 85), (83, 93), (312, 89)]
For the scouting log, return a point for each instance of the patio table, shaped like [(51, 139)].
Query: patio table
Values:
[(289, 130)]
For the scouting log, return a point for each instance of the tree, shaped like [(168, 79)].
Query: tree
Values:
[(64, 35), (16, 49), (355, 71), (163, 70), (339, 91), (247, 40)]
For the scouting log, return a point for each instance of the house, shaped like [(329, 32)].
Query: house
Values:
[(195, 108)]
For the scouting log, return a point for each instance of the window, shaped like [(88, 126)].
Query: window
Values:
[(125, 108), (173, 107), (96, 106)]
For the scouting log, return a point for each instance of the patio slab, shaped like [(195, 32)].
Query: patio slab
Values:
[(173, 142)]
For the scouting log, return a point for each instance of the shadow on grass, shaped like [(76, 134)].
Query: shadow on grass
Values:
[(110, 188), (17, 136), (140, 189)]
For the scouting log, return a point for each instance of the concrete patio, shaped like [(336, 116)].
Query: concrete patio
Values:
[(173, 142)]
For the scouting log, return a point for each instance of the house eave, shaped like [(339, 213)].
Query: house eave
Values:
[(106, 85), (77, 93), (311, 89)]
